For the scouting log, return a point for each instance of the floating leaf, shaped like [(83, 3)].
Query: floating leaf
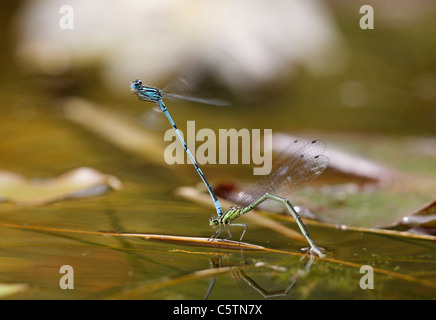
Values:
[(201, 197), (81, 182), (423, 221), (355, 191)]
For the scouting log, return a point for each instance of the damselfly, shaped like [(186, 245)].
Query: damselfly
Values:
[(288, 173), (156, 95)]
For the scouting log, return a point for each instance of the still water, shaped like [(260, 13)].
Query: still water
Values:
[(388, 118)]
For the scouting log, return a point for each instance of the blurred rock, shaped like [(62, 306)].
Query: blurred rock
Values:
[(242, 44)]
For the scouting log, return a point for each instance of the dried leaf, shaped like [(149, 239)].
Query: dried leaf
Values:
[(7, 289), (423, 221), (81, 182)]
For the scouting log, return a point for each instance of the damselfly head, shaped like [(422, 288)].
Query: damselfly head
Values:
[(136, 85), (213, 221)]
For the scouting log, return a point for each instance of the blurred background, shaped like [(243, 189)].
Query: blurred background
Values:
[(295, 66)]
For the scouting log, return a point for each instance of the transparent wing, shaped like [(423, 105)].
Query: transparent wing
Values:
[(183, 87), (290, 171), (153, 120), (212, 101)]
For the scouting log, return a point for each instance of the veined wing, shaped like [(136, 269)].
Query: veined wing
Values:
[(290, 171), (211, 101)]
